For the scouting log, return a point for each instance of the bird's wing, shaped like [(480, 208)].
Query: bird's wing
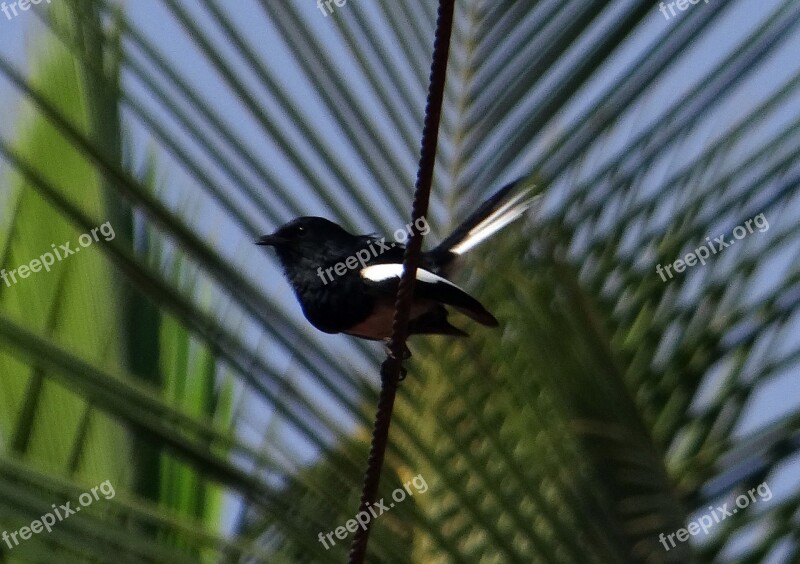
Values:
[(429, 286)]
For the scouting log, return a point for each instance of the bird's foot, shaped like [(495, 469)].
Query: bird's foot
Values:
[(405, 354)]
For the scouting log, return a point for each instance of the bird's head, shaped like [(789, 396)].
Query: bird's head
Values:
[(312, 239)]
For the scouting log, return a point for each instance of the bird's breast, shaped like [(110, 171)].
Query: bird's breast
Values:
[(378, 324), (334, 306)]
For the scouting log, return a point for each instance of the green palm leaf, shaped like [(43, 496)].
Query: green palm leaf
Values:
[(611, 408)]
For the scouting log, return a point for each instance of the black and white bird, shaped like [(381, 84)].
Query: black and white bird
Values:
[(347, 283)]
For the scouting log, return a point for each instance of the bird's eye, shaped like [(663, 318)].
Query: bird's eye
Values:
[(301, 231)]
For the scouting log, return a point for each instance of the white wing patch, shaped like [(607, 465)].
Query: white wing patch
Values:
[(381, 272)]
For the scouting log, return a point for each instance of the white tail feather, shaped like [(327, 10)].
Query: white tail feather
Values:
[(494, 222)]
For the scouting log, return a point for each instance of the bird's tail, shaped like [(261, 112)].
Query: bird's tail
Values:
[(504, 207)]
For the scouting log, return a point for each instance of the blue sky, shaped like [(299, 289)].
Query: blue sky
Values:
[(20, 38)]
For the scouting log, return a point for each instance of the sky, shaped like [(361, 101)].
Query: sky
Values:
[(20, 37)]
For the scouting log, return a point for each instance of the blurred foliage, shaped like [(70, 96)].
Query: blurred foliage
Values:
[(611, 406)]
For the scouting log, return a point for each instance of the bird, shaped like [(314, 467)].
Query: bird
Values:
[(348, 283)]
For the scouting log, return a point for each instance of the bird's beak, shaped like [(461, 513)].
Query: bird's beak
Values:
[(271, 240)]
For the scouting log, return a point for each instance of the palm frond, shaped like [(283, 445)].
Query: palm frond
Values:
[(613, 407)]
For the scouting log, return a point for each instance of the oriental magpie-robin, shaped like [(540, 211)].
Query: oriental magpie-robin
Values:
[(360, 301)]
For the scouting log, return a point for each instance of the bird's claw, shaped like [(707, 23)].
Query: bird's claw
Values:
[(405, 354)]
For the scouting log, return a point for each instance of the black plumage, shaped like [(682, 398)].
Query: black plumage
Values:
[(347, 283)]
